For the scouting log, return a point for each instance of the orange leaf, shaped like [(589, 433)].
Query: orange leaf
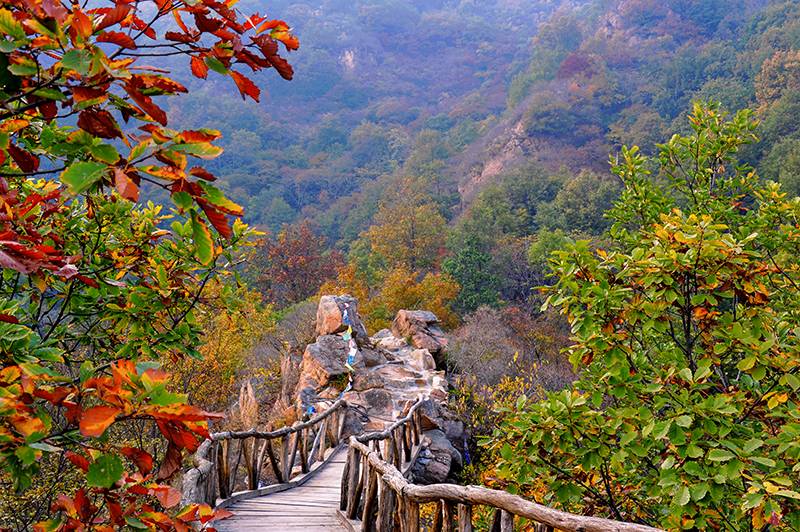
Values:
[(199, 67), (118, 38), (97, 419), (81, 23), (125, 186), (245, 85), (167, 496)]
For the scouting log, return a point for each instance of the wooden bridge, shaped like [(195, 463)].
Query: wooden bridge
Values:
[(323, 483)]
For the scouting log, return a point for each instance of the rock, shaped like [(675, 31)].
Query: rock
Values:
[(378, 402), (323, 362), (366, 381), (383, 333), (330, 317), (438, 461), (422, 360), (372, 357), (391, 343), (422, 329)]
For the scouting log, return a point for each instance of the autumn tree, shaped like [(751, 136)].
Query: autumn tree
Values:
[(95, 288), (408, 229), (685, 413), (292, 266)]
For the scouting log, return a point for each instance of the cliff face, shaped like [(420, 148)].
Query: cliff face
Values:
[(380, 376)]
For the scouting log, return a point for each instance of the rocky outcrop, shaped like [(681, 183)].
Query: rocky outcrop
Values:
[(331, 318), (421, 328), (439, 458), (390, 371)]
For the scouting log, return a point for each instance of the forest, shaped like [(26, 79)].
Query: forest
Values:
[(597, 199)]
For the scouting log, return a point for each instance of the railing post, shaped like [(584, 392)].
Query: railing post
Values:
[(386, 507), (304, 450), (368, 516), (353, 488), (410, 516), (344, 491), (464, 518), (447, 516), (274, 463)]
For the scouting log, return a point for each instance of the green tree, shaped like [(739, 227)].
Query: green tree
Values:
[(685, 335), (471, 267)]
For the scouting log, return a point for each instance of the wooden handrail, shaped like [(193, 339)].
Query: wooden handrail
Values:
[(232, 461), (375, 492)]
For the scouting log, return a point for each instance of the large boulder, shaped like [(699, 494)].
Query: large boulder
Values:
[(437, 461), (323, 364), (421, 328), (330, 317)]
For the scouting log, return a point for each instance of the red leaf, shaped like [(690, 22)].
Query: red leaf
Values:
[(145, 102), (118, 38), (8, 318), (26, 161), (97, 419), (142, 459), (245, 85), (79, 461), (202, 173), (217, 219), (125, 185), (53, 8), (99, 123), (112, 16), (179, 37), (171, 464), (199, 67)]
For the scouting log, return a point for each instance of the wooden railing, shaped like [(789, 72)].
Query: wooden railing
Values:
[(376, 493), (229, 465)]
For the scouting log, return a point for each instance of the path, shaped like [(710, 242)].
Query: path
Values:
[(311, 506)]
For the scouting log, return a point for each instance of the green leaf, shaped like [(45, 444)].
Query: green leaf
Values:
[(763, 460), (26, 455), (746, 364), (183, 200), (216, 65), (788, 493), (85, 371), (683, 421), (699, 491), (203, 150), (203, 244), (10, 26), (719, 455), (82, 175), (682, 496), (77, 60), (104, 471), (105, 153)]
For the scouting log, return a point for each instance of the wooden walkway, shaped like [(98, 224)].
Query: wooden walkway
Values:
[(311, 506)]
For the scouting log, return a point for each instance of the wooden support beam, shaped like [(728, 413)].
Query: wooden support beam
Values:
[(464, 518)]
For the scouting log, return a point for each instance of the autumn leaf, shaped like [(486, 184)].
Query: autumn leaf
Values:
[(125, 186), (99, 123), (142, 459), (118, 38), (199, 67), (95, 420), (245, 85), (203, 244)]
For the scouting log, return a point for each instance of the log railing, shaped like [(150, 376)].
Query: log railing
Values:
[(229, 465), (375, 492)]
